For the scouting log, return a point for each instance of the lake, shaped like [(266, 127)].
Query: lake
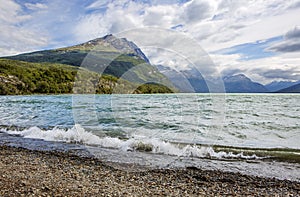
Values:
[(255, 134)]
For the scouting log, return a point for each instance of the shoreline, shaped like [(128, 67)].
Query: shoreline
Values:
[(41, 173)]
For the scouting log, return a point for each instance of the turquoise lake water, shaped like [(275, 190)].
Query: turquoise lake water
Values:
[(205, 127)]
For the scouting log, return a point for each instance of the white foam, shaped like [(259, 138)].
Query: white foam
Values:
[(78, 134)]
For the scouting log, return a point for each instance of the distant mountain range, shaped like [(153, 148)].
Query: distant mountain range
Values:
[(192, 81), (278, 85), (291, 89), (53, 71), (185, 81), (242, 84)]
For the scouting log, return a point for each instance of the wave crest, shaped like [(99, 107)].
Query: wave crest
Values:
[(77, 134)]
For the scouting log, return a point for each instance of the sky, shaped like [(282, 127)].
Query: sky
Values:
[(260, 38)]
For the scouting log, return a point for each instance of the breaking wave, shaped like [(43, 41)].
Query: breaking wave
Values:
[(77, 134)]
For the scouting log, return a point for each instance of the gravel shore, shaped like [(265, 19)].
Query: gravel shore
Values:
[(34, 173)]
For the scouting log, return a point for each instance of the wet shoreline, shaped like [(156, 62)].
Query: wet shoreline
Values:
[(28, 172)]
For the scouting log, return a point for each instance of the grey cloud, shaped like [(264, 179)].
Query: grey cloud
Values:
[(237, 26), (295, 33), (289, 74), (295, 5), (291, 42), (286, 47), (230, 72), (197, 11)]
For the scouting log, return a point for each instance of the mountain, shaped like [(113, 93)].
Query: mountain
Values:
[(115, 44), (106, 44), (112, 57), (192, 81), (278, 85), (242, 84), (291, 89), (118, 55), (186, 81)]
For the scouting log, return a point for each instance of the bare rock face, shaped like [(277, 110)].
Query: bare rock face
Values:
[(121, 45)]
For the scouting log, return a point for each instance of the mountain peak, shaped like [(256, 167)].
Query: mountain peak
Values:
[(109, 36), (115, 44), (241, 83), (237, 77)]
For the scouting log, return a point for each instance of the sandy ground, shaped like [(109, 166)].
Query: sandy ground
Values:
[(33, 173)]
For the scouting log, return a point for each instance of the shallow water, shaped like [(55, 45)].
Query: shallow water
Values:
[(164, 130)]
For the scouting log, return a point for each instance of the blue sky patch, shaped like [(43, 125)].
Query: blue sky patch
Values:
[(177, 27), (251, 51)]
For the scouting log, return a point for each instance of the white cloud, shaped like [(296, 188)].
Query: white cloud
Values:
[(291, 42), (261, 20), (215, 24), (258, 69), (161, 15), (198, 10), (118, 17), (167, 58), (14, 36), (98, 4), (9, 13), (115, 19), (36, 6), (90, 27)]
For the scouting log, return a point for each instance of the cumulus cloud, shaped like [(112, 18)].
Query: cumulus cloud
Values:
[(16, 37), (10, 13), (116, 18), (160, 15), (135, 14), (198, 10), (291, 42)]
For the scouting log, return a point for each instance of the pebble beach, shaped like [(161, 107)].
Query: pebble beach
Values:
[(42, 173)]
